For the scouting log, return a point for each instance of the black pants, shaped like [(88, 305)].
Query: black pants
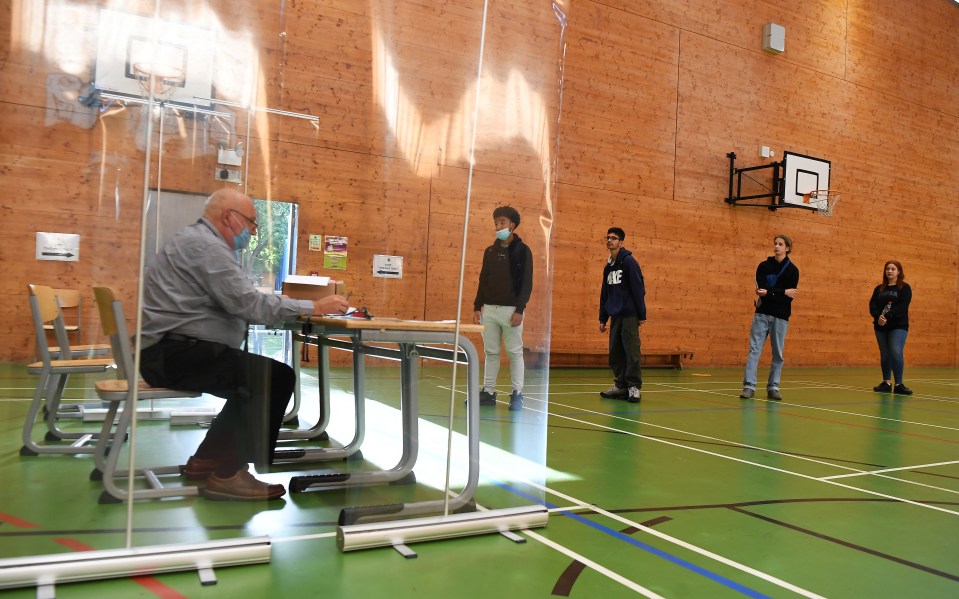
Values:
[(624, 351), (257, 390)]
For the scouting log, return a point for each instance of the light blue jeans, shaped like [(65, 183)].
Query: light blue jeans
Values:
[(497, 332), (764, 326), (891, 344)]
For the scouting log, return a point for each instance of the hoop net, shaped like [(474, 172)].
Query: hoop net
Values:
[(161, 80), (823, 200)]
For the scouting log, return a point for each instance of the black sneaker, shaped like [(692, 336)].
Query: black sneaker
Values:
[(487, 399), (515, 401), (614, 392), (882, 387), (901, 389)]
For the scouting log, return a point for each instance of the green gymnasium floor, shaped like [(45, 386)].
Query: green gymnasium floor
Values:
[(835, 492)]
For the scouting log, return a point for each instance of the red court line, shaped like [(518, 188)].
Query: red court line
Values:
[(872, 428), (17, 521), (148, 582)]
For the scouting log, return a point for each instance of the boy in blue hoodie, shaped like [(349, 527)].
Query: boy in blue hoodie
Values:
[(623, 302)]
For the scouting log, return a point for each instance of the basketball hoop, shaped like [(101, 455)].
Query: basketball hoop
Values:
[(823, 200), (161, 80)]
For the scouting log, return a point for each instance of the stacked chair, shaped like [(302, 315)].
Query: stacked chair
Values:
[(53, 370)]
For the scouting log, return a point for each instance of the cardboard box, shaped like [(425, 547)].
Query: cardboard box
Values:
[(311, 288)]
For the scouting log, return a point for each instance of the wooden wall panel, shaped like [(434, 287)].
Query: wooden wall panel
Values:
[(654, 95)]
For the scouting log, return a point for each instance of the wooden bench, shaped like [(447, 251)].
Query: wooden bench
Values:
[(599, 358)]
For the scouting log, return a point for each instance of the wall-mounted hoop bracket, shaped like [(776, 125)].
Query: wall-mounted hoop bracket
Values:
[(792, 180), (775, 194)]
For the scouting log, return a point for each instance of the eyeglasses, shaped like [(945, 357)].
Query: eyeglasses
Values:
[(612, 238), (248, 219)]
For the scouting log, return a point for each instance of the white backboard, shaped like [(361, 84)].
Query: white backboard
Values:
[(126, 39)]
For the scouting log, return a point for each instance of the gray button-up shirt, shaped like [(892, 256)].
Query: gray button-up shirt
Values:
[(196, 288)]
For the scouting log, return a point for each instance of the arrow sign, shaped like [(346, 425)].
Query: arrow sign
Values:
[(64, 247)]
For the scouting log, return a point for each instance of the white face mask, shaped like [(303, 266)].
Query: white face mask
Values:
[(503, 234)]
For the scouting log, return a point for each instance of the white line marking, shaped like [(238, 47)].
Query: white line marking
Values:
[(809, 407), (870, 472), (719, 455), (604, 571)]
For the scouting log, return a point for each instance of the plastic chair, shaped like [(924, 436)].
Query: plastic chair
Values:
[(53, 374), (119, 394)]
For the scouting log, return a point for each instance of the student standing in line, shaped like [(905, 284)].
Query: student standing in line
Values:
[(776, 281), (505, 284), (889, 307), (623, 302)]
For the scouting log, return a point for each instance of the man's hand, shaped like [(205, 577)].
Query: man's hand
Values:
[(761, 292), (602, 327), (882, 320), (477, 317), (792, 292), (331, 304), (516, 319)]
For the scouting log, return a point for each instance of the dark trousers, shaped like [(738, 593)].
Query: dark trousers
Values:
[(624, 351), (257, 390)]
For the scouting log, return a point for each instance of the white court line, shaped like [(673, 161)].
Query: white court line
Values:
[(808, 407), (855, 471), (600, 569), (579, 504), (871, 472), (742, 461)]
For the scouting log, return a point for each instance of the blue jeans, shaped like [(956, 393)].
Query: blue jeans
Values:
[(891, 344), (764, 326)]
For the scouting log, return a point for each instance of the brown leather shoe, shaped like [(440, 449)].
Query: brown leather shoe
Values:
[(241, 487), (198, 468)]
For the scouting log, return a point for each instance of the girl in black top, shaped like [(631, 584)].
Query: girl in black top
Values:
[(889, 307)]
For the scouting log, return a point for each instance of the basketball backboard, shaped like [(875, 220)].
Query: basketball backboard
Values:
[(801, 175), (126, 39)]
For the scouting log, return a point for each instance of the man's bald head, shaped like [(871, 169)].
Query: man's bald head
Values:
[(230, 211), (227, 198)]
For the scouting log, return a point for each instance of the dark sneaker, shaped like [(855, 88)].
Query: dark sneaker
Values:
[(634, 395), (241, 487), (774, 395), (901, 389), (515, 401), (614, 392), (883, 387), (198, 468), (747, 393), (487, 399)]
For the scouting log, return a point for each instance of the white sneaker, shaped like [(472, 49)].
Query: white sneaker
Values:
[(634, 395)]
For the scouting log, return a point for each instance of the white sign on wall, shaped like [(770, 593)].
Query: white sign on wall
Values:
[(388, 267), (64, 247)]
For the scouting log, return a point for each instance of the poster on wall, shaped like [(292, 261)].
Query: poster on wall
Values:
[(316, 243), (388, 267), (334, 252), (64, 247)]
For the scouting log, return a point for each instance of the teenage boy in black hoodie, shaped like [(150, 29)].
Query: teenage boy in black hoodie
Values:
[(505, 284), (623, 299), (776, 282)]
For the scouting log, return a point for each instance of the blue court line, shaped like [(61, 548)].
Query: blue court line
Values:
[(649, 548)]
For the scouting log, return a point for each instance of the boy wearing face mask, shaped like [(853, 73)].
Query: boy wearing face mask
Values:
[(505, 285)]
